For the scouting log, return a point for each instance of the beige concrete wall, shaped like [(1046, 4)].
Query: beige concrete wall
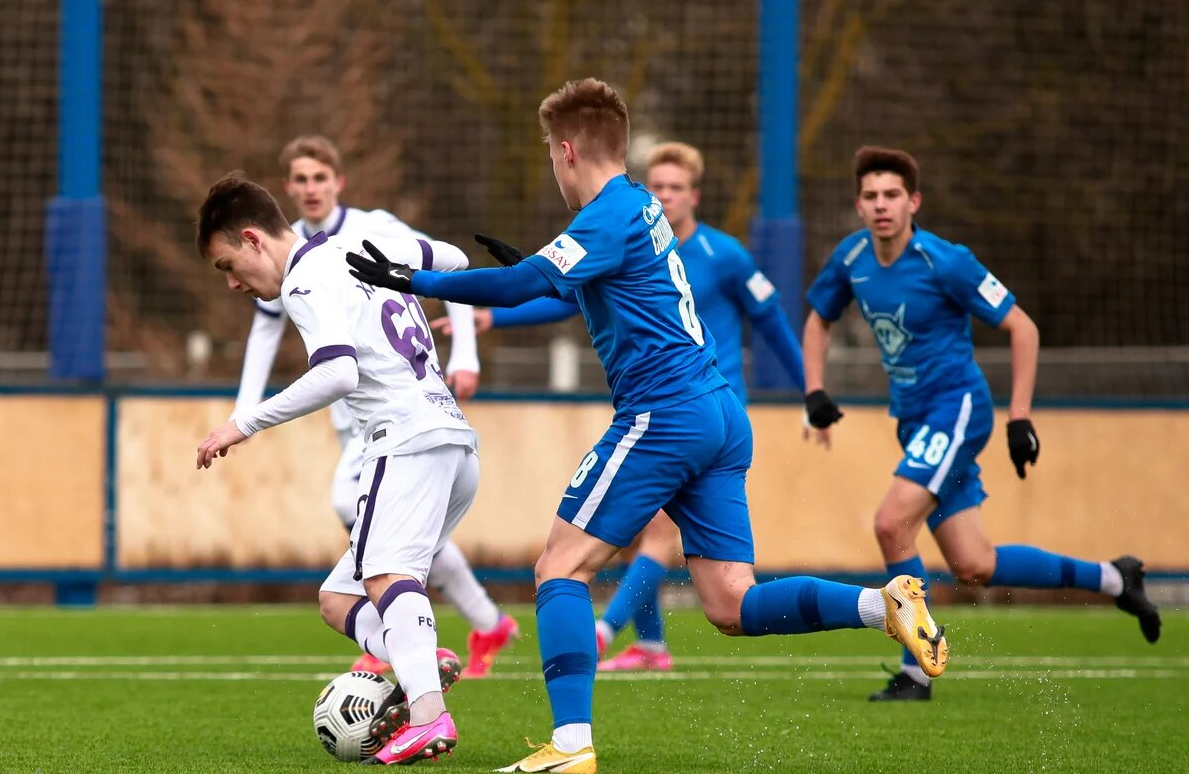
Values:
[(1108, 482), (51, 476)]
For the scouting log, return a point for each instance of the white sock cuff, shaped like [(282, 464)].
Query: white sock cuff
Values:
[(572, 737), (1112, 580), (872, 610)]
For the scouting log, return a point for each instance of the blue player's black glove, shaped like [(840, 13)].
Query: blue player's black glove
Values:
[(820, 410), (1022, 444), (503, 252), (380, 271)]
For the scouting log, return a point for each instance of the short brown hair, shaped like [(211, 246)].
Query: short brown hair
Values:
[(872, 158), (233, 204), (313, 146), (683, 155), (590, 114)]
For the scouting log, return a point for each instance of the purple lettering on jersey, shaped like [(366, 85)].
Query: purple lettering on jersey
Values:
[(405, 342), (367, 290)]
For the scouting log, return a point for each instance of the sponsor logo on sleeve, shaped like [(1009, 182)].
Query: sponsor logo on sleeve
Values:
[(298, 292), (992, 290), (563, 252), (761, 287)]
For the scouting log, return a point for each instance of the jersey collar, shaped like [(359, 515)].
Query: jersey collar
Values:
[(300, 250), (338, 223)]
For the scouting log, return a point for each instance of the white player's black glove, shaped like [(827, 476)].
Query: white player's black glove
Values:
[(380, 271), (821, 410), (1022, 444), (503, 252)]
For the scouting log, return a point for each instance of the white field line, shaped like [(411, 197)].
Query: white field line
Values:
[(752, 676), (960, 660)]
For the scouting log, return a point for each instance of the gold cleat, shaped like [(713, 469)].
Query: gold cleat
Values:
[(908, 622), (547, 758)]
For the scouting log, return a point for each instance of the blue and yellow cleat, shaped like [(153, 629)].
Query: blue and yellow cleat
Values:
[(908, 622), (548, 758)]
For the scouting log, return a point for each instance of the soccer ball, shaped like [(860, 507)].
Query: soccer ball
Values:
[(343, 713)]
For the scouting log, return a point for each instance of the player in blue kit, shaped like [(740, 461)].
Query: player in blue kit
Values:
[(918, 292), (680, 439), (728, 289)]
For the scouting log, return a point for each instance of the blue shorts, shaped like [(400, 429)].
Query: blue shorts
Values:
[(690, 459), (940, 447)]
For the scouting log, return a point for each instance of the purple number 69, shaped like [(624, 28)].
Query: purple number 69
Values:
[(405, 343)]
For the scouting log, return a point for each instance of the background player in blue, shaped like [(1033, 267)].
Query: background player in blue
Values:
[(728, 289), (918, 292), (680, 439)]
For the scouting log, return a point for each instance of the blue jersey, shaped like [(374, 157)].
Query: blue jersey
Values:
[(919, 309), (727, 286), (618, 261)]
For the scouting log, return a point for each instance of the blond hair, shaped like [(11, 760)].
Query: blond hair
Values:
[(683, 155), (590, 114), (313, 146)]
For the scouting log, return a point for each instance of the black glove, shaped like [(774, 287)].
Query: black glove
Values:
[(1022, 444), (503, 252), (381, 272), (821, 411)]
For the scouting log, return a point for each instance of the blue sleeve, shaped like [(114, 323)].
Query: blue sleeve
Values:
[(773, 325), (536, 312), (974, 288), (590, 248), (831, 292), (505, 286), (746, 284)]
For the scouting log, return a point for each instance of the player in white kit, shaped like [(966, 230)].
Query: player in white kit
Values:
[(314, 181), (372, 349)]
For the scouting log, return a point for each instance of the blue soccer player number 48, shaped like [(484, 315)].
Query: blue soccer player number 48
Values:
[(932, 450)]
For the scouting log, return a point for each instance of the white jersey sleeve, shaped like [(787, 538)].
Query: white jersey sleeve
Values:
[(260, 351), (464, 350)]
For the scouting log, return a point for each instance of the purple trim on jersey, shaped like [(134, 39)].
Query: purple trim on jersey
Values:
[(349, 624), (322, 354), (395, 590), (311, 243), (426, 254), (338, 225), (368, 509), (266, 311)]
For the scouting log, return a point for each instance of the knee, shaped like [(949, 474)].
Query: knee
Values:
[(553, 565), (726, 616), (891, 531), (331, 612), (975, 569)]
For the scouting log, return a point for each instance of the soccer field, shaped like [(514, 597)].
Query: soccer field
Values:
[(230, 689)]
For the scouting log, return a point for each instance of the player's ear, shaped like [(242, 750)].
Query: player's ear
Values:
[(697, 196), (340, 181), (252, 237), (567, 152), (914, 202)]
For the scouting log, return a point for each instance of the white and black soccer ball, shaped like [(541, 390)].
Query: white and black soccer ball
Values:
[(343, 713)]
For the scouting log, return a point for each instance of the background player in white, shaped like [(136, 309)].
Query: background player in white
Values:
[(314, 181), (372, 349)]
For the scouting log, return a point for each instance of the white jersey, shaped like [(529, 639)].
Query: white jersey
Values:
[(269, 326), (401, 402)]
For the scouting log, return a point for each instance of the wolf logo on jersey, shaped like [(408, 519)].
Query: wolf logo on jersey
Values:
[(889, 330)]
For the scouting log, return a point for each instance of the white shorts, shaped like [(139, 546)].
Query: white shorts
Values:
[(410, 503)]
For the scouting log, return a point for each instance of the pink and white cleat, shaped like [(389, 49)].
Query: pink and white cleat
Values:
[(392, 716), (369, 663), (415, 743), (638, 659), (483, 647)]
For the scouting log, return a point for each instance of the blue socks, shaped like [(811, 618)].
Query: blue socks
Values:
[(637, 589), (1029, 567), (565, 630), (800, 605), (647, 620), (916, 568)]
